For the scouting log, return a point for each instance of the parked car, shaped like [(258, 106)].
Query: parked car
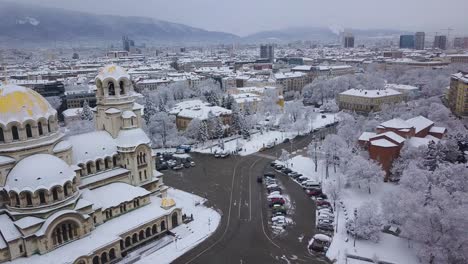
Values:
[(217, 154), (322, 202), (320, 242), (313, 192), (269, 181), (286, 170), (325, 221), (269, 174), (325, 227), (270, 145), (180, 151), (311, 184), (279, 166), (286, 140), (192, 163), (275, 189), (224, 154), (327, 210), (259, 179), (278, 208), (278, 201), (186, 148), (273, 163), (302, 179), (178, 167), (187, 165), (325, 217)]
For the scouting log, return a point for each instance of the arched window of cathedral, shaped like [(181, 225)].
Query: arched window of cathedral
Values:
[(48, 127), (42, 197), (55, 193), (114, 161), (64, 232), (98, 165), (111, 88), (14, 132), (88, 168), (14, 199), (2, 137), (28, 198), (39, 128), (28, 131), (112, 254), (106, 163), (122, 87)]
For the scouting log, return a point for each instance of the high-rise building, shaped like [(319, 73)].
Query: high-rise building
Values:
[(460, 42), (127, 43), (407, 42), (267, 52), (348, 40), (457, 96), (419, 39), (440, 42)]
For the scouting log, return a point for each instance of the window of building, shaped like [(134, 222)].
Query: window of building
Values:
[(42, 198), (2, 137), (139, 173), (111, 88), (28, 131), (14, 132), (122, 87), (39, 128)]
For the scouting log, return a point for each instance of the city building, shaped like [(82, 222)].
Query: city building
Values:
[(407, 41), (385, 144), (88, 198), (348, 40), (460, 42), (419, 40), (267, 51), (393, 54), (188, 110), (127, 43), (458, 94), (291, 81), (458, 58), (366, 101), (440, 42)]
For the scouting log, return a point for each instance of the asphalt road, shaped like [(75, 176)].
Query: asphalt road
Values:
[(244, 235)]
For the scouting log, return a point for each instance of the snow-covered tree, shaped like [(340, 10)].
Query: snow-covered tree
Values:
[(368, 221), (335, 150), (284, 157), (238, 120), (313, 152), (149, 108), (86, 112), (204, 131), (193, 129), (362, 172), (162, 129)]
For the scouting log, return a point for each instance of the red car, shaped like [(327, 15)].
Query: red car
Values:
[(313, 192), (322, 202)]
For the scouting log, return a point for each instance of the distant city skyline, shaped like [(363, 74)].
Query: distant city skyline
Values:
[(243, 17)]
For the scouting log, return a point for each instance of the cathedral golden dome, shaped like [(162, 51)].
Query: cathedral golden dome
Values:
[(18, 104)]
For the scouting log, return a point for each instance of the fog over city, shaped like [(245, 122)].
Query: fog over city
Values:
[(244, 17)]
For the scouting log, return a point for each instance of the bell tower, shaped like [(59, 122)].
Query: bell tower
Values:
[(115, 96)]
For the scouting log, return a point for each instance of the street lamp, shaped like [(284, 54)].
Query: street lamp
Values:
[(355, 220)]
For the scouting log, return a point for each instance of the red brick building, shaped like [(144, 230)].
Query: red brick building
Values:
[(385, 144)]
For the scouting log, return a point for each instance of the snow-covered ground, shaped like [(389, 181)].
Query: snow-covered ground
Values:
[(261, 140), (390, 248), (191, 234)]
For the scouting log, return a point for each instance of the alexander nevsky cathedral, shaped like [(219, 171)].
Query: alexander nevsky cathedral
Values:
[(89, 198)]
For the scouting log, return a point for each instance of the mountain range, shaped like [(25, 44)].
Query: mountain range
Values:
[(22, 24)]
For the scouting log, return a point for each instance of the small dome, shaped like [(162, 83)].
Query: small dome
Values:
[(128, 114), (112, 71), (167, 203), (18, 103), (37, 172)]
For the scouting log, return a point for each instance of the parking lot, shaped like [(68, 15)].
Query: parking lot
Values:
[(246, 233)]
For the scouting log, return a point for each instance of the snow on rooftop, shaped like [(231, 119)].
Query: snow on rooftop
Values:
[(93, 145), (72, 112), (438, 130), (420, 123), (6, 160), (397, 123), (131, 138), (101, 199), (8, 229), (383, 143), (38, 171), (28, 221), (401, 87), (112, 71), (392, 135), (62, 146), (417, 141), (370, 93), (85, 181), (365, 136)]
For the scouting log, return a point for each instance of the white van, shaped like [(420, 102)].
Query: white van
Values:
[(311, 184)]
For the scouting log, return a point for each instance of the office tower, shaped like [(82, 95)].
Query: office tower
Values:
[(407, 42), (267, 52), (440, 42), (419, 39), (348, 40)]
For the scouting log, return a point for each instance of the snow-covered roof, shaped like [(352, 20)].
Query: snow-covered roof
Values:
[(112, 110), (19, 104), (101, 199), (112, 71), (6, 160), (7, 229), (417, 141), (438, 130), (91, 146), (401, 87), (101, 176), (28, 221), (128, 114), (383, 143), (420, 123), (370, 93), (302, 68), (287, 75), (131, 138), (72, 112), (396, 123), (391, 135), (365, 136), (38, 171), (62, 146), (460, 76)]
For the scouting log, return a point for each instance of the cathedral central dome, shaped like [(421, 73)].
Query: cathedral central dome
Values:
[(18, 104)]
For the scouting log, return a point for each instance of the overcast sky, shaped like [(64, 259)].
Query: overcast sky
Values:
[(243, 17)]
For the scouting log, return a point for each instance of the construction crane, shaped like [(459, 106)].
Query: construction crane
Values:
[(449, 29)]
